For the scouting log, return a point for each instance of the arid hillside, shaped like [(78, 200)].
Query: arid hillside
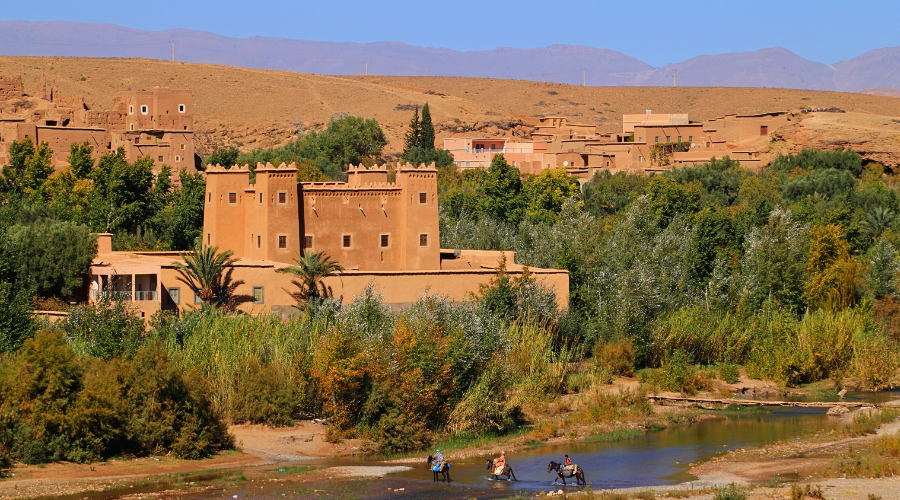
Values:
[(254, 108)]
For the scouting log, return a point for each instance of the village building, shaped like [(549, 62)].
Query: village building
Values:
[(156, 123), (649, 142), (381, 232)]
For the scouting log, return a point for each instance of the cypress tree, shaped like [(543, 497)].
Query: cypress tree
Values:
[(414, 134), (426, 140)]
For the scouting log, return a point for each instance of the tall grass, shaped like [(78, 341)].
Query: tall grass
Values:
[(777, 345)]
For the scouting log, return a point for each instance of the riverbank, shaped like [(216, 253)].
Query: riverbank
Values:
[(263, 452)]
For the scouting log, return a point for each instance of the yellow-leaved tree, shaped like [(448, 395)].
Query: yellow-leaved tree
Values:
[(831, 271)]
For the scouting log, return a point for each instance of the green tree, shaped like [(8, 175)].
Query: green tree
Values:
[(545, 193), (80, 159), (122, 197), (55, 255), (414, 134), (831, 271), (772, 267), (311, 270), (669, 198), (181, 220), (502, 186), (207, 272), (16, 321), (426, 138), (226, 157), (883, 269)]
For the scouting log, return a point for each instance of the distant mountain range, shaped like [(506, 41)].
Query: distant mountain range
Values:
[(777, 67)]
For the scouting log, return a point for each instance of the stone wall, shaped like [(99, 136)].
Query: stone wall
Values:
[(11, 87)]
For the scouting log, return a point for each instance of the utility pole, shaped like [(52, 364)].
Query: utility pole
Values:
[(173, 49), (545, 77), (367, 67), (583, 77), (674, 76)]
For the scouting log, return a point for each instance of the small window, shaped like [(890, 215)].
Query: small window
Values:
[(159, 158), (640, 139), (174, 295), (258, 241), (345, 241), (209, 197), (679, 138), (182, 147), (260, 198), (130, 110), (385, 240), (668, 138), (177, 158), (657, 138), (132, 126), (763, 130), (640, 159), (282, 242), (307, 241), (423, 198), (144, 110), (690, 138), (181, 108), (232, 198), (197, 299), (258, 295), (208, 238), (423, 240), (282, 197)]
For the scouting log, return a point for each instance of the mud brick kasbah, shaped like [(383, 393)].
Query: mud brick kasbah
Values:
[(381, 232), (155, 123)]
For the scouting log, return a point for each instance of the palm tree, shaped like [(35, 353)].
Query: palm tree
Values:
[(877, 222), (311, 270), (204, 271)]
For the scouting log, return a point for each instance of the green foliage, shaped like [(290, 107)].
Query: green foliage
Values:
[(720, 179), (311, 270), (413, 136), (662, 151), (426, 136), (730, 492), (809, 160), (545, 193), (207, 272), (346, 140), (668, 198), (106, 329), (501, 186), (883, 269), (226, 157), (56, 407), (825, 184), (263, 395), (420, 156), (29, 166), (80, 159), (54, 255), (16, 321), (773, 263), (607, 194)]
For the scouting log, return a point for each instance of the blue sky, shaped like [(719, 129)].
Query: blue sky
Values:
[(656, 32)]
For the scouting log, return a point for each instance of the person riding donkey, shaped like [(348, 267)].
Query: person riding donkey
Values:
[(500, 463), (569, 465)]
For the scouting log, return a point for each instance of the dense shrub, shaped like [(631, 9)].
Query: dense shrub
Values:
[(54, 406), (618, 356), (263, 396), (106, 329)]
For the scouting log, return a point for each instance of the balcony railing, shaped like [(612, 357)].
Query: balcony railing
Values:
[(145, 295)]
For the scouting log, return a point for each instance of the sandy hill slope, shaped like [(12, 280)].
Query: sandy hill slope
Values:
[(260, 108)]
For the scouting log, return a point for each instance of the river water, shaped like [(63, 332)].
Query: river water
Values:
[(654, 459)]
